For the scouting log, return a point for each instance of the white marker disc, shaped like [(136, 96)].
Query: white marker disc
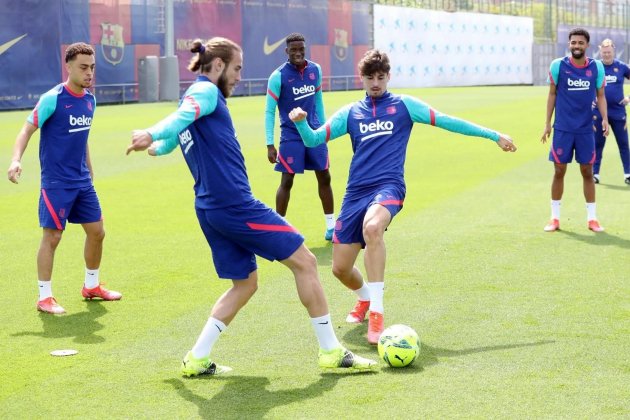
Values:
[(67, 352)]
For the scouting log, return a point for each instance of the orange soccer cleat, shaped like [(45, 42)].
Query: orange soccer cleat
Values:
[(552, 226), (594, 226), (100, 292), (357, 315), (50, 305), (375, 327)]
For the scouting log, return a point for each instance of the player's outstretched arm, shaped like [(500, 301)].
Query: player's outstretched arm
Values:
[(140, 140), (505, 143)]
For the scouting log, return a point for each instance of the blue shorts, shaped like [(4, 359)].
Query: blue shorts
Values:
[(75, 205), (349, 226), (237, 234), (565, 143), (294, 157)]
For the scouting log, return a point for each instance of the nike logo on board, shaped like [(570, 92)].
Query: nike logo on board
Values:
[(270, 48), (4, 47)]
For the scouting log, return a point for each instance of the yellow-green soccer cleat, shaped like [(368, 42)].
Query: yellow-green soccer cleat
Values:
[(196, 367), (343, 358)]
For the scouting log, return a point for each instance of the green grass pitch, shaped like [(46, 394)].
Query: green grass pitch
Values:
[(514, 322)]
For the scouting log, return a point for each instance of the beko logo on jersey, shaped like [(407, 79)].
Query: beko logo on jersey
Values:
[(377, 128), (611, 79), (83, 122), (185, 139), (578, 84), (304, 91)]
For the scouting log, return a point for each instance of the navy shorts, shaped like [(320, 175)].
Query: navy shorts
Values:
[(564, 144), (75, 205), (349, 226), (237, 234), (295, 158)]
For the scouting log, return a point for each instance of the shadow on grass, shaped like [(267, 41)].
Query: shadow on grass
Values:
[(323, 254), (429, 355), (247, 396), (601, 238), (82, 326)]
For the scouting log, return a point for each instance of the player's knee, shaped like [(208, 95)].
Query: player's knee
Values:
[(286, 183), (372, 231), (52, 237), (341, 271), (97, 235)]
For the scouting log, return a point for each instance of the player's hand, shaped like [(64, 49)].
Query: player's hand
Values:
[(505, 143), (546, 134), (272, 153), (625, 100), (140, 140), (152, 150), (605, 128), (297, 114), (15, 171)]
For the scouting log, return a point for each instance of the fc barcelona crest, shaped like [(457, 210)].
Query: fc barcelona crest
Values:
[(341, 44), (112, 43)]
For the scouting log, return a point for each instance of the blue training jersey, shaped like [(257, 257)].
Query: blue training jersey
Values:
[(379, 129), (65, 119), (576, 90), (204, 130), (289, 87), (615, 73)]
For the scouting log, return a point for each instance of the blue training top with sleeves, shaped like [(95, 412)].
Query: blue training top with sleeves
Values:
[(65, 119), (203, 128), (576, 89), (287, 88), (615, 74), (379, 129)]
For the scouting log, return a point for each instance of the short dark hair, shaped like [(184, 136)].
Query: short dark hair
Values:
[(295, 36), (78, 48), (374, 61), (580, 31)]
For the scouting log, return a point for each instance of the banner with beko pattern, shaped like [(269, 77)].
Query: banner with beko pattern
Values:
[(434, 48)]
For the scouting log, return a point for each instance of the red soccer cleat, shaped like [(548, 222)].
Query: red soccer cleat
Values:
[(594, 226), (357, 315), (100, 292), (552, 226), (375, 327), (50, 305)]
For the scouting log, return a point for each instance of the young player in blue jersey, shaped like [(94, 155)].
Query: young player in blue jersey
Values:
[(575, 82), (236, 225), (67, 194), (616, 101), (379, 127), (298, 82)]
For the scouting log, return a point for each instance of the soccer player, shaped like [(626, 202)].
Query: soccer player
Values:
[(616, 102), (236, 225), (298, 82), (64, 114), (575, 82), (379, 127)]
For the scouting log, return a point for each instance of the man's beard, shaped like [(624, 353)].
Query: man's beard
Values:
[(222, 84), (577, 54)]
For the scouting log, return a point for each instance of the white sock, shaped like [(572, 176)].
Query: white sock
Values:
[(330, 220), (376, 296), (555, 209), (209, 335), (325, 333), (45, 289), (363, 292), (626, 175), (591, 213), (91, 278)]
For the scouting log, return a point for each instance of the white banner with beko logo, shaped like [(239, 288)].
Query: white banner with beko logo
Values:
[(433, 48)]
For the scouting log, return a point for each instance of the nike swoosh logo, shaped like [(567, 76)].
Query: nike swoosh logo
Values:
[(323, 323), (68, 106), (268, 49), (220, 330), (4, 47)]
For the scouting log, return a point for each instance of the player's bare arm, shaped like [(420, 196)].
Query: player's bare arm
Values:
[(602, 106), (297, 114), (551, 105), (505, 143), (140, 140), (15, 168)]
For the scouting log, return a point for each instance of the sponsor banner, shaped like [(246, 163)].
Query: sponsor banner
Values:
[(203, 19), (30, 63), (618, 37), (433, 48)]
